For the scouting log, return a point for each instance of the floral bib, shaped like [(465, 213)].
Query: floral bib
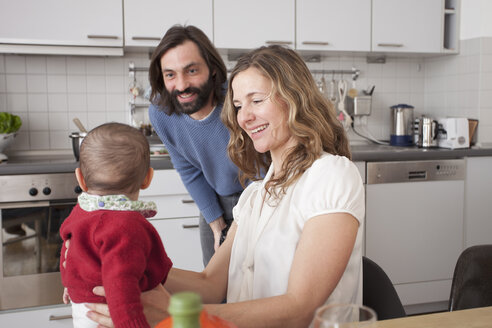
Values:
[(116, 203)]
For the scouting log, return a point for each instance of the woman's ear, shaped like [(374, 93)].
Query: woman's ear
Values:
[(148, 179), (80, 179)]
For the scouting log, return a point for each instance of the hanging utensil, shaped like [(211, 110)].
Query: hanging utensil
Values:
[(342, 92), (79, 125), (323, 86), (332, 91)]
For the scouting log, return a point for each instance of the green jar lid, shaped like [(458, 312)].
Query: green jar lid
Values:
[(185, 303)]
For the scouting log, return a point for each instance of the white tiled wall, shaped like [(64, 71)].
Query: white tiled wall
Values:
[(462, 85), (47, 92)]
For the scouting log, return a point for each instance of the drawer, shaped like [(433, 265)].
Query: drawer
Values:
[(165, 182), (174, 206), (49, 317)]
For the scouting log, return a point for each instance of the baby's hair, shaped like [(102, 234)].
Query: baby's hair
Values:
[(114, 159)]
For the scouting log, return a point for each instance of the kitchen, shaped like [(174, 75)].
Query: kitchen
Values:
[(49, 86)]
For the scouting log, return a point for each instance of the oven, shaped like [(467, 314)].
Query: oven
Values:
[(32, 209)]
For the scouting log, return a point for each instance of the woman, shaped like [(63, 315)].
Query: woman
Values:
[(296, 240)]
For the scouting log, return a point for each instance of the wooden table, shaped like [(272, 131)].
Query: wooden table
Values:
[(472, 318)]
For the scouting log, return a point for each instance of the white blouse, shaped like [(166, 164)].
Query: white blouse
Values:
[(266, 238)]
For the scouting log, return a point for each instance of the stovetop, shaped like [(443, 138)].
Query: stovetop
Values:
[(38, 163), (44, 162)]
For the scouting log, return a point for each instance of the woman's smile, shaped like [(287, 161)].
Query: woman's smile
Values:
[(259, 129)]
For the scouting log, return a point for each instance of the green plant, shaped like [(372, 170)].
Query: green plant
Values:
[(9, 123)]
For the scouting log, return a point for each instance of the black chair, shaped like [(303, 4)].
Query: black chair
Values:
[(472, 279), (379, 293)]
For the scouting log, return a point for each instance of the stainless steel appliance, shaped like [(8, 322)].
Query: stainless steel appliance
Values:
[(414, 230), (32, 208), (427, 130), (402, 125)]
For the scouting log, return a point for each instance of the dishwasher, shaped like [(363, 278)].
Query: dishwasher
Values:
[(414, 227)]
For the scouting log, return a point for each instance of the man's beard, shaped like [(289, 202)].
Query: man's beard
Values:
[(203, 93)]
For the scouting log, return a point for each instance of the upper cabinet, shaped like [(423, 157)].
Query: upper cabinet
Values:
[(334, 25), (146, 21), (94, 27), (89, 27), (246, 25), (408, 26)]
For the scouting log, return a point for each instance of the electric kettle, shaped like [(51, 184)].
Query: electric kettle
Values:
[(402, 125)]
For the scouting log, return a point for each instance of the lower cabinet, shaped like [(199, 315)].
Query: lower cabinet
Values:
[(478, 188), (181, 239), (48, 317), (176, 219)]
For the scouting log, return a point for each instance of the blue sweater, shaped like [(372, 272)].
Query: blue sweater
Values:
[(198, 151)]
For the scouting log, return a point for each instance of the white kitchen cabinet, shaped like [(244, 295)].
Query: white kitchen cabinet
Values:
[(59, 316), (62, 27), (255, 23), (333, 25), (146, 21), (478, 207), (407, 26), (181, 239), (176, 220)]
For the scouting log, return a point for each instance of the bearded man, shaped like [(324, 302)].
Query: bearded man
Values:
[(188, 76)]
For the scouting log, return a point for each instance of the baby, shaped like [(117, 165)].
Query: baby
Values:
[(111, 242)]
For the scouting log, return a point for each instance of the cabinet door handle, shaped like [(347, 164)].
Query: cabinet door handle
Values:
[(315, 43), (94, 36), (60, 317), (190, 226), (146, 38), (278, 42), (393, 45), (187, 201)]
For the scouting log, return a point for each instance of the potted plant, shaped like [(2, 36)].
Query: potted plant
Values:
[(9, 125)]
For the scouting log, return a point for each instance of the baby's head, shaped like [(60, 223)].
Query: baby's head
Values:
[(114, 159)]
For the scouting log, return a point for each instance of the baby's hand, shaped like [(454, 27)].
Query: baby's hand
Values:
[(66, 297)]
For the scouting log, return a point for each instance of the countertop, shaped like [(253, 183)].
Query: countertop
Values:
[(38, 162), (379, 153)]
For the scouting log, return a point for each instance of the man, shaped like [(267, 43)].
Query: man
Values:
[(188, 76)]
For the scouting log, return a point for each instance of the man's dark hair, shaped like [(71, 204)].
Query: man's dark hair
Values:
[(174, 37)]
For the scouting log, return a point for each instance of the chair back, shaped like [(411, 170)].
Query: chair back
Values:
[(472, 279), (379, 293)]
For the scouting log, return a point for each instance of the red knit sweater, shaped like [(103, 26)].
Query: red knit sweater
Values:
[(119, 250)]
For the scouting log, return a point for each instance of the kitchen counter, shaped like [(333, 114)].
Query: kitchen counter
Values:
[(37, 162), (379, 153)]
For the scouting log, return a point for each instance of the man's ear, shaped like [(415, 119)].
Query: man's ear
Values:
[(80, 179), (148, 179)]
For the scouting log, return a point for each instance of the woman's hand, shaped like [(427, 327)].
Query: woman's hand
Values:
[(99, 311), (154, 301), (67, 245)]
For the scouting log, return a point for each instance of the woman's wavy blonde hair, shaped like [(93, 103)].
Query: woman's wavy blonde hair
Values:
[(311, 118)]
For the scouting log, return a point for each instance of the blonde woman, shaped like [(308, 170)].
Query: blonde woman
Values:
[(296, 240)]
